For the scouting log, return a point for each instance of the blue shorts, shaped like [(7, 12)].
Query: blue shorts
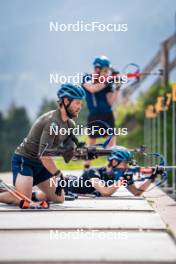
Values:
[(28, 167)]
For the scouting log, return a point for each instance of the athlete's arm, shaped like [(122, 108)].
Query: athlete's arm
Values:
[(93, 87), (112, 97), (104, 190), (49, 164), (139, 191), (46, 141)]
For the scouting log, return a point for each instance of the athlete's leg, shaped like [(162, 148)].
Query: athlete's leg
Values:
[(38, 196), (8, 198), (23, 184), (22, 179), (48, 188)]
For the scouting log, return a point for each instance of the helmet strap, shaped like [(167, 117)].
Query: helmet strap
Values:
[(113, 166), (66, 108)]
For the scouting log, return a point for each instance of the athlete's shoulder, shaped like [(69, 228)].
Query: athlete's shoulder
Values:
[(47, 118), (48, 115)]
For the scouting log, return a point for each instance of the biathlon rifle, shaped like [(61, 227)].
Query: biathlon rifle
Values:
[(133, 72), (141, 173), (92, 152), (80, 152), (84, 152)]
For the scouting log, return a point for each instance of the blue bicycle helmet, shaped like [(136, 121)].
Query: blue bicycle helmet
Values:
[(120, 153), (102, 62), (71, 91)]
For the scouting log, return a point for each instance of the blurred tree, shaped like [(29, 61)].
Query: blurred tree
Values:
[(14, 128), (48, 105)]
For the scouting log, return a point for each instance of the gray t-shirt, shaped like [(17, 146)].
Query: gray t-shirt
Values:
[(41, 136)]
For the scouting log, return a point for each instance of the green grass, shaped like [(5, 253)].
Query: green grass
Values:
[(133, 139), (78, 165)]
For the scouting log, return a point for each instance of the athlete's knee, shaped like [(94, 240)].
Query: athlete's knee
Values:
[(59, 199), (56, 198)]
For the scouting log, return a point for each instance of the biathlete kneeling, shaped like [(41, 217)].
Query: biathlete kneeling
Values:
[(29, 166)]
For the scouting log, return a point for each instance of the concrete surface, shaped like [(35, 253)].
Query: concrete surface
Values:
[(91, 246), (94, 205), (122, 229), (77, 220), (165, 206)]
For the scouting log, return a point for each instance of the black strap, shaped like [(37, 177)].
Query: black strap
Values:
[(66, 108)]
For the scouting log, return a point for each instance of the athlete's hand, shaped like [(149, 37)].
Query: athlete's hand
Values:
[(60, 179), (157, 172), (128, 176), (91, 156), (68, 154), (67, 149)]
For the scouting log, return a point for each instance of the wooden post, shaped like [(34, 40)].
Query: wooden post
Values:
[(164, 64)]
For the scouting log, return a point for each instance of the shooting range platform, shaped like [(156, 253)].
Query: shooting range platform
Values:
[(119, 229)]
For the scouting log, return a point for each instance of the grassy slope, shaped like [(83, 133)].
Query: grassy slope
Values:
[(78, 165)]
